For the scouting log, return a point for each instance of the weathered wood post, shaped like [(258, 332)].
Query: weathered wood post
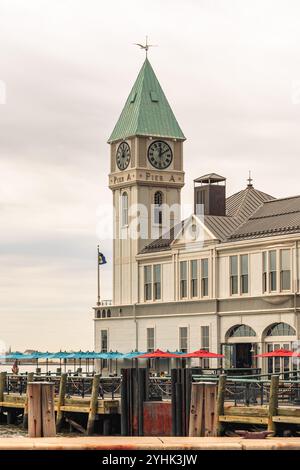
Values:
[(188, 377), (41, 417), (141, 398), (61, 401), (34, 409), (173, 400), (48, 413), (93, 405), (179, 394), (210, 409), (2, 385), (196, 410), (124, 402), (30, 377), (273, 402), (220, 403)]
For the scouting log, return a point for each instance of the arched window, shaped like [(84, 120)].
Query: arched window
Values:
[(98, 314), (158, 202), (280, 329), (124, 209), (241, 330), (108, 313), (103, 313)]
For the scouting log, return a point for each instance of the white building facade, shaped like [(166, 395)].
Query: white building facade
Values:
[(225, 279)]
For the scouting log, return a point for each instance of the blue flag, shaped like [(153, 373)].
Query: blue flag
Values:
[(101, 259)]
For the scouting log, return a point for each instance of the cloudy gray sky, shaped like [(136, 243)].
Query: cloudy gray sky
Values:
[(231, 71)]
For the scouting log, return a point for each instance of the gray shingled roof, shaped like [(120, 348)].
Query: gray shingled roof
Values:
[(278, 217), (250, 214)]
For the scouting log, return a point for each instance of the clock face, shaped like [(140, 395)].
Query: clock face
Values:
[(123, 156), (160, 154)]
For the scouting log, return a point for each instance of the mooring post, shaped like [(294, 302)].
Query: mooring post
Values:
[(273, 402), (220, 403), (179, 409), (41, 417), (141, 397), (48, 413), (61, 401), (196, 423), (124, 402), (30, 377), (2, 385), (188, 377), (93, 405), (173, 399), (34, 409)]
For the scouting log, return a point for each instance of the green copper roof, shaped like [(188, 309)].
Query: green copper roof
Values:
[(146, 111)]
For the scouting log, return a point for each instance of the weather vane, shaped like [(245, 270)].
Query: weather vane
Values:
[(145, 46)]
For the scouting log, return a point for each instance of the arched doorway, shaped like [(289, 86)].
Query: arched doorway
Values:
[(279, 336), (240, 347)]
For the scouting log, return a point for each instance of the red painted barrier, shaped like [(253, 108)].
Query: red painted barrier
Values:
[(157, 418)]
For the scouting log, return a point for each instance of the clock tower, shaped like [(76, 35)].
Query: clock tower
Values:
[(146, 178)]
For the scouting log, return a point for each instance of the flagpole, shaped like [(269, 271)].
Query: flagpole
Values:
[(98, 278)]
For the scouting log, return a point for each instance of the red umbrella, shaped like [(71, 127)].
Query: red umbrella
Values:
[(279, 353), (158, 354), (202, 354)]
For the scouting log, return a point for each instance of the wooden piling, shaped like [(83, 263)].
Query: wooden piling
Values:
[(179, 388), (141, 398), (93, 405), (187, 398), (61, 401), (2, 384), (220, 404), (34, 409), (196, 410), (273, 402), (48, 415), (173, 400), (124, 402), (41, 417), (210, 402), (30, 377)]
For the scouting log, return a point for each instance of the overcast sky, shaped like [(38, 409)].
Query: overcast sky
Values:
[(231, 71)]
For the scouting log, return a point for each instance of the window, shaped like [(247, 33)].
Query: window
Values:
[(150, 339), (285, 270), (234, 275), (273, 270), (104, 347), (204, 277), (148, 282), (194, 278), (205, 343), (183, 339), (241, 330), (265, 271), (158, 201), (183, 279), (281, 329), (124, 204), (244, 274), (157, 281)]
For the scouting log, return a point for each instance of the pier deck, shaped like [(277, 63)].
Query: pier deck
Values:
[(149, 443), (71, 405)]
